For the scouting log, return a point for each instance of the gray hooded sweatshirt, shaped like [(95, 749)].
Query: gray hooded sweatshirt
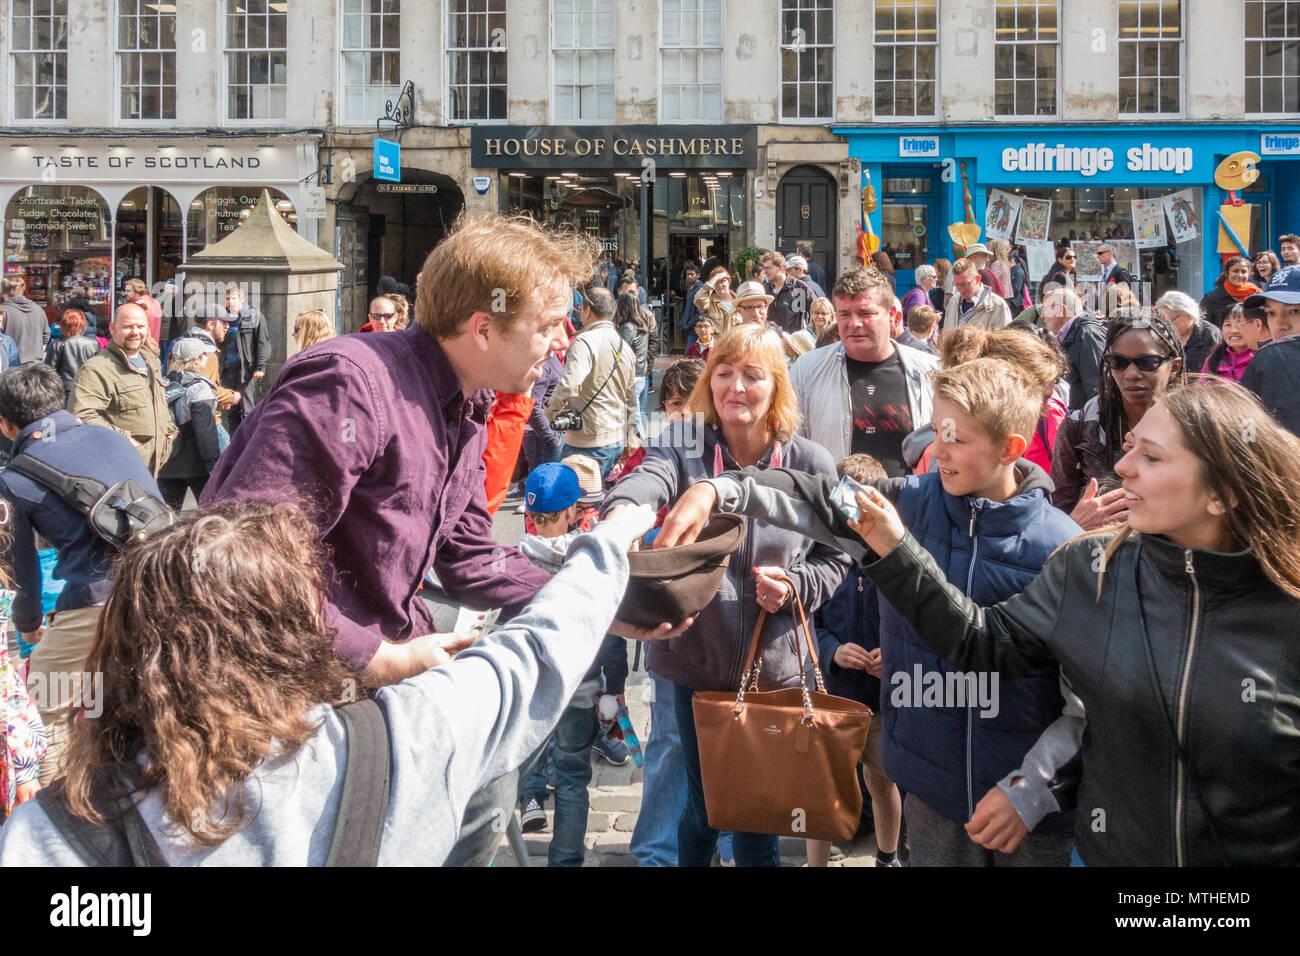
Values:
[(452, 729), (25, 323)]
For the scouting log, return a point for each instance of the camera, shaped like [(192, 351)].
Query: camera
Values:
[(567, 420)]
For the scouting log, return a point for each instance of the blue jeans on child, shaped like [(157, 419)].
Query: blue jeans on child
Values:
[(696, 840), (574, 736), (663, 794)]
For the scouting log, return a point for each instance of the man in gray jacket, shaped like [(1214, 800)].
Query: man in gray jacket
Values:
[(23, 320), (866, 392), (598, 383)]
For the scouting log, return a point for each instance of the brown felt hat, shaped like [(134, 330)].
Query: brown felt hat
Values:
[(671, 584)]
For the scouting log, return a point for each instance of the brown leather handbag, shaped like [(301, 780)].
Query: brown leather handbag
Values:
[(784, 761)]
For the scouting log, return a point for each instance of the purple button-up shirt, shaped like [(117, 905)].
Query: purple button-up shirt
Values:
[(373, 436)]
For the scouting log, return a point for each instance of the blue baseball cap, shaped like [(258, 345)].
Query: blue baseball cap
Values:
[(551, 487), (1282, 286)]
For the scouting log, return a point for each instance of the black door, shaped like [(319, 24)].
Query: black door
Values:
[(805, 212)]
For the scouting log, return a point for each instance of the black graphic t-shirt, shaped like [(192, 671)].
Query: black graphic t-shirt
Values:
[(882, 415)]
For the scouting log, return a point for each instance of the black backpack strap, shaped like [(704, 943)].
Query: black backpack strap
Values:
[(122, 842), (367, 778), (79, 491)]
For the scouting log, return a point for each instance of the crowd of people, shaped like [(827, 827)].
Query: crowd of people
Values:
[(1087, 502)]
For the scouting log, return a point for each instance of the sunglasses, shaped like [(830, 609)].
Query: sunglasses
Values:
[(1069, 258), (1145, 363), (382, 315)]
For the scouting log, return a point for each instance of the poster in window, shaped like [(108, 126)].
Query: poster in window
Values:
[(1149, 224), (1040, 258), (1035, 217), (1000, 215), (1126, 255), (1088, 268), (1184, 224)]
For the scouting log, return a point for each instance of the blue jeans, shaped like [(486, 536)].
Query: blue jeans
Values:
[(663, 795), (696, 840), (607, 455), (573, 738), (638, 388)]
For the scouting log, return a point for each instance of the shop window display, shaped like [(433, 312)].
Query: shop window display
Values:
[(58, 239)]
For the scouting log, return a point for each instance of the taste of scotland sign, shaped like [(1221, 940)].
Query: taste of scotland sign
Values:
[(614, 147)]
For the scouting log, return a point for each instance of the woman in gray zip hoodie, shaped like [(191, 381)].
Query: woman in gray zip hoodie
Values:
[(745, 414)]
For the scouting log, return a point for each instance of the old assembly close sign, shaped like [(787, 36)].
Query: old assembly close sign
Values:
[(614, 147)]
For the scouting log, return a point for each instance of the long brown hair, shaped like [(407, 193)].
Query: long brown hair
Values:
[(212, 646), (1251, 463)]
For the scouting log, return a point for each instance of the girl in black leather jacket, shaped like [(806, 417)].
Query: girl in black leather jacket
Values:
[(1177, 631)]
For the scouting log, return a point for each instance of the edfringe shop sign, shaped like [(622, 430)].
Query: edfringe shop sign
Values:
[(94, 162), (613, 147)]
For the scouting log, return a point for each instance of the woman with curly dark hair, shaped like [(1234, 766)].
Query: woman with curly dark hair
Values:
[(218, 715), (1143, 357)]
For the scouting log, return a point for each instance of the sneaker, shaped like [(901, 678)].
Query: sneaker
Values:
[(532, 818), (611, 750), (893, 862), (725, 856), (836, 855)]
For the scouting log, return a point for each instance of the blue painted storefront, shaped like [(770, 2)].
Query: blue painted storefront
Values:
[(1159, 157)]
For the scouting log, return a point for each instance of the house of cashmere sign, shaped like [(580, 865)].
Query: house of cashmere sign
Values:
[(614, 147)]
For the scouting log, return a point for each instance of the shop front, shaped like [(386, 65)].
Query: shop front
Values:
[(82, 217), (1149, 192), (589, 178)]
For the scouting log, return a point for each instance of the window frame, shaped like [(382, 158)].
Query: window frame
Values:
[(1246, 75), (14, 51), (448, 50), (1057, 92), (721, 51), (118, 53), (340, 112), (1182, 63), (894, 118), (576, 52), (226, 51), (792, 6)]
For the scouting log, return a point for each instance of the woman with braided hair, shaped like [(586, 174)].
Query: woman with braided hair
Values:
[(1143, 356)]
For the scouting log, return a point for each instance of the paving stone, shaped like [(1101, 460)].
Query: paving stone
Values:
[(626, 803)]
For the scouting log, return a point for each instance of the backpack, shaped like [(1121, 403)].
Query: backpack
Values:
[(119, 514), (358, 831)]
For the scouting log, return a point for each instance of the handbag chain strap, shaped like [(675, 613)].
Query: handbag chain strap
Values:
[(754, 665)]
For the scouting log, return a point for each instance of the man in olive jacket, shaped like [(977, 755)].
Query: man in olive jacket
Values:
[(121, 388)]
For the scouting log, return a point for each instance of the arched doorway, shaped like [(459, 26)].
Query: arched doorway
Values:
[(806, 212), (150, 244), (389, 229)]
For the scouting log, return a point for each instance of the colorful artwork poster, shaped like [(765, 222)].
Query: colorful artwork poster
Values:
[(1180, 207), (1000, 214), (1040, 257), (1126, 254), (1088, 268), (1149, 224), (1035, 217)]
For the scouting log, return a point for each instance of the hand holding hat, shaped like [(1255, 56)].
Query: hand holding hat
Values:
[(634, 521), (687, 518)]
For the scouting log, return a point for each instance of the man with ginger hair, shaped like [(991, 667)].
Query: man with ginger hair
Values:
[(381, 438)]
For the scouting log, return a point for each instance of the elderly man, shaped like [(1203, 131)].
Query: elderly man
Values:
[(752, 303), (791, 297), (815, 271), (796, 267), (868, 392), (122, 388), (979, 254), (974, 303), (1112, 271), (1082, 337)]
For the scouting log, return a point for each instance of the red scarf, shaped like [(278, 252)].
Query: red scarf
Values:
[(1240, 292)]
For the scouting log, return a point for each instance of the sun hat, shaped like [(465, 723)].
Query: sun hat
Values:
[(551, 487), (796, 262), (671, 584), (977, 249), (589, 480), (751, 290)]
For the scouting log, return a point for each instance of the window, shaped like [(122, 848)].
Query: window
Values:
[(1025, 51), (690, 61), (38, 39), (476, 59), (1273, 56), (255, 60), (807, 58), (371, 59), (582, 36), (907, 38), (146, 58), (1150, 56)]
